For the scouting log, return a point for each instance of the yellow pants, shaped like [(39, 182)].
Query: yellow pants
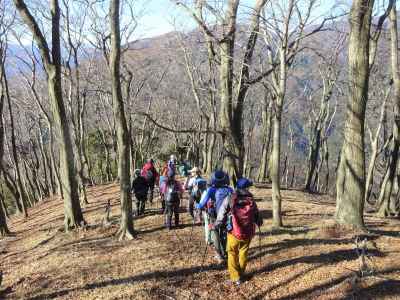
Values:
[(237, 256)]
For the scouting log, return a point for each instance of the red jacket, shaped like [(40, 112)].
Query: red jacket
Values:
[(150, 167)]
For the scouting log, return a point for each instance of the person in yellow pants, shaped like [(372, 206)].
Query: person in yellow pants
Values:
[(237, 257), (240, 215)]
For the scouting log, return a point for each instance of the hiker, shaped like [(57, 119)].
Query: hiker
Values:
[(162, 180), (212, 201), (195, 185), (240, 215), (150, 173), (140, 189), (184, 169), (172, 164), (164, 170), (172, 191)]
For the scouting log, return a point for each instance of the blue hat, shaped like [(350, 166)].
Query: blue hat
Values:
[(244, 183), (218, 178)]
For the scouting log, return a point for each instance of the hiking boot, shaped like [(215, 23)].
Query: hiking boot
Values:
[(234, 282), (237, 282)]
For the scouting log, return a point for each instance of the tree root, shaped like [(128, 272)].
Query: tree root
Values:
[(123, 234)]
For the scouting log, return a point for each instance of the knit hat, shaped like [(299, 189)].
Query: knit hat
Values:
[(244, 183)]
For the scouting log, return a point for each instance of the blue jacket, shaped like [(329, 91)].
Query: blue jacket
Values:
[(217, 194)]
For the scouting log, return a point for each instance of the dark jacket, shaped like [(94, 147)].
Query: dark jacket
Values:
[(140, 186)]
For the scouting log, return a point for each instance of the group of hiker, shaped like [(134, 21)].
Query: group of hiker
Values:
[(230, 216)]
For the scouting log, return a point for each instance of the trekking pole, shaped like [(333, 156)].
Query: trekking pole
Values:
[(204, 257), (259, 245)]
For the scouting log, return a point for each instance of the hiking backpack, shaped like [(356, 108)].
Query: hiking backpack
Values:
[(149, 176), (243, 216), (199, 186), (171, 194), (221, 193)]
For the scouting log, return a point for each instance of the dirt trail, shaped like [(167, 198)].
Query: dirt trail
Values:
[(308, 259)]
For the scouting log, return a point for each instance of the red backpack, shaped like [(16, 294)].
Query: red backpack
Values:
[(243, 216)]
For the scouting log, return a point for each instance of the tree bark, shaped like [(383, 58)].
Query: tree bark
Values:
[(126, 230), (351, 172), (23, 195), (275, 170), (52, 64), (263, 174), (386, 196), (3, 218)]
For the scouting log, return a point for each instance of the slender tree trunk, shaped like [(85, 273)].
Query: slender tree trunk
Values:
[(313, 157), (126, 230), (266, 119), (3, 218), (53, 163), (351, 172), (47, 165), (386, 196), (52, 64), (375, 150), (211, 145), (275, 170), (23, 196)]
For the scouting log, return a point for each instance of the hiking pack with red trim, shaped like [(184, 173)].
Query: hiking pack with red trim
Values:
[(242, 216)]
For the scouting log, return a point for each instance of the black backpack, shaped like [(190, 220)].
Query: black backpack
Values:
[(149, 176), (171, 195)]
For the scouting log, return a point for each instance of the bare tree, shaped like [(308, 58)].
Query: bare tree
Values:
[(52, 64), (232, 93), (284, 28), (3, 224), (126, 230), (350, 182), (321, 120), (388, 203)]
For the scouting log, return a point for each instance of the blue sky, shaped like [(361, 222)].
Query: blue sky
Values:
[(159, 16)]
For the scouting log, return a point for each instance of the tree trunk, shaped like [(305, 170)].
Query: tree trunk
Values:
[(232, 149), (126, 230), (351, 172), (313, 157), (266, 119), (23, 196), (53, 163), (52, 64), (386, 197), (3, 218), (275, 170)]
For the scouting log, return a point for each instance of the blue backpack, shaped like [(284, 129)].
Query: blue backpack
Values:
[(217, 197), (220, 194), (199, 186)]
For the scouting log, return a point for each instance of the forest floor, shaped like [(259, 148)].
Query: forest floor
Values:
[(309, 258)]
